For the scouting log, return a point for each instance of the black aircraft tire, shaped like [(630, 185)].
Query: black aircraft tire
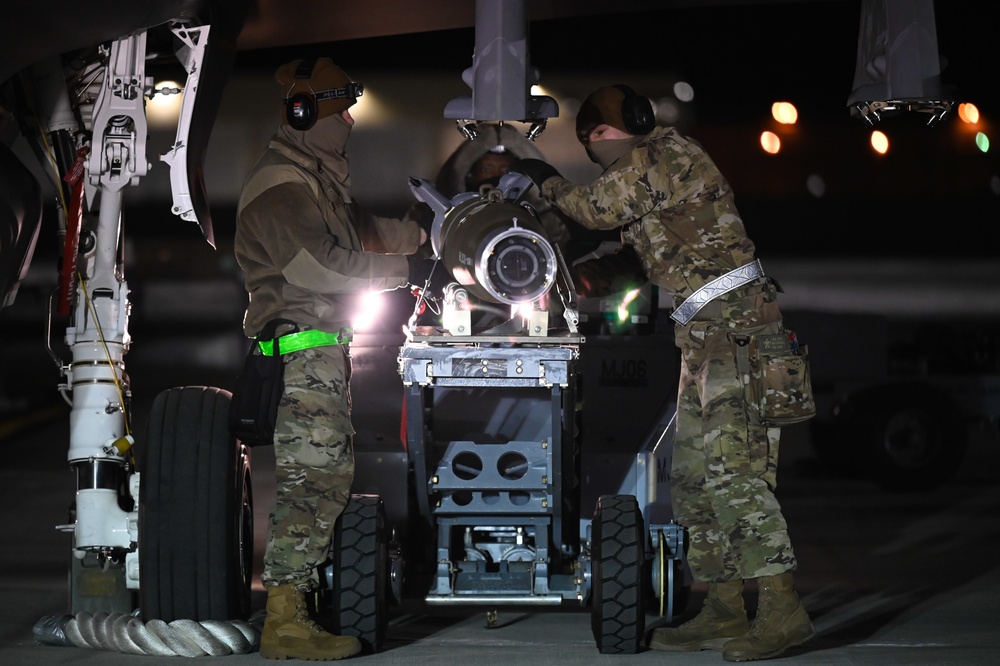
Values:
[(618, 609), (358, 600), (195, 510)]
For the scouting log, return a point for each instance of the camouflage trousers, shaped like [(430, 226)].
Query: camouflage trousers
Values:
[(723, 471), (314, 463)]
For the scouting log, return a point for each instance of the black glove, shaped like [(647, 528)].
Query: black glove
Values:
[(419, 270), (537, 170)]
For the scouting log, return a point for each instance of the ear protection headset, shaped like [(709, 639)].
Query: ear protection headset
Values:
[(637, 112), (302, 110)]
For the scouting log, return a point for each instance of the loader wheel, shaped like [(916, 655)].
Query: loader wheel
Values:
[(353, 595), (670, 600), (617, 611), (195, 510)]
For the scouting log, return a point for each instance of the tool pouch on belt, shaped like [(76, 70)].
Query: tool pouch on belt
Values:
[(774, 371), (257, 392)]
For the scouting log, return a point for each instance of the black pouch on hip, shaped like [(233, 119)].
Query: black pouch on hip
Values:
[(253, 409)]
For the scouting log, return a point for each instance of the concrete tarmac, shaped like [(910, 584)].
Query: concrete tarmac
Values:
[(888, 578)]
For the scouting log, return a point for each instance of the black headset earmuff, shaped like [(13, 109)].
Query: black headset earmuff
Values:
[(300, 108), (637, 112)]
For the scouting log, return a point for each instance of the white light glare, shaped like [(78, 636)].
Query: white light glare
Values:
[(370, 307), (684, 91), (164, 108), (525, 309)]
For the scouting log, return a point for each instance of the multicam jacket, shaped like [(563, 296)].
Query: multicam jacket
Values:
[(303, 249), (674, 207)]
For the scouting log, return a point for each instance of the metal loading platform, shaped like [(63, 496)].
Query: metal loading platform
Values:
[(503, 510)]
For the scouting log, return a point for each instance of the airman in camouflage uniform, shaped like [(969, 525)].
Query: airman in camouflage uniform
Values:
[(314, 462), (677, 210), (306, 250)]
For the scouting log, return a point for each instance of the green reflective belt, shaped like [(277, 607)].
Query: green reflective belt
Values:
[(305, 340)]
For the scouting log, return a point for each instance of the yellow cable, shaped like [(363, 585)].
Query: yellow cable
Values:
[(663, 570), (104, 344)]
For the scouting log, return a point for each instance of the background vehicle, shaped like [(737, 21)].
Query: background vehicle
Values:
[(900, 398)]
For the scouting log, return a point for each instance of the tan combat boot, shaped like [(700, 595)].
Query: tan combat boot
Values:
[(722, 617), (289, 632), (781, 622)]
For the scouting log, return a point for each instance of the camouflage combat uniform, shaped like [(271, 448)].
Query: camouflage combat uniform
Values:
[(300, 240), (677, 210)]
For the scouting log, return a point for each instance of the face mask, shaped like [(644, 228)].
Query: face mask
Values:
[(327, 141), (609, 151)]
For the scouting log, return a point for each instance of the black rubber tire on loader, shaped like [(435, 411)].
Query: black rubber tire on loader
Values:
[(355, 601), (618, 608)]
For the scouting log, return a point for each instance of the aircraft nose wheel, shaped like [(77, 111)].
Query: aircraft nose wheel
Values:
[(195, 510)]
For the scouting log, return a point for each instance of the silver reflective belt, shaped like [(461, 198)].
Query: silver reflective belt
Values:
[(737, 277)]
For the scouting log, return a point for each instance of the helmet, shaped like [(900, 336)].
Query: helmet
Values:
[(618, 106), (313, 89)]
